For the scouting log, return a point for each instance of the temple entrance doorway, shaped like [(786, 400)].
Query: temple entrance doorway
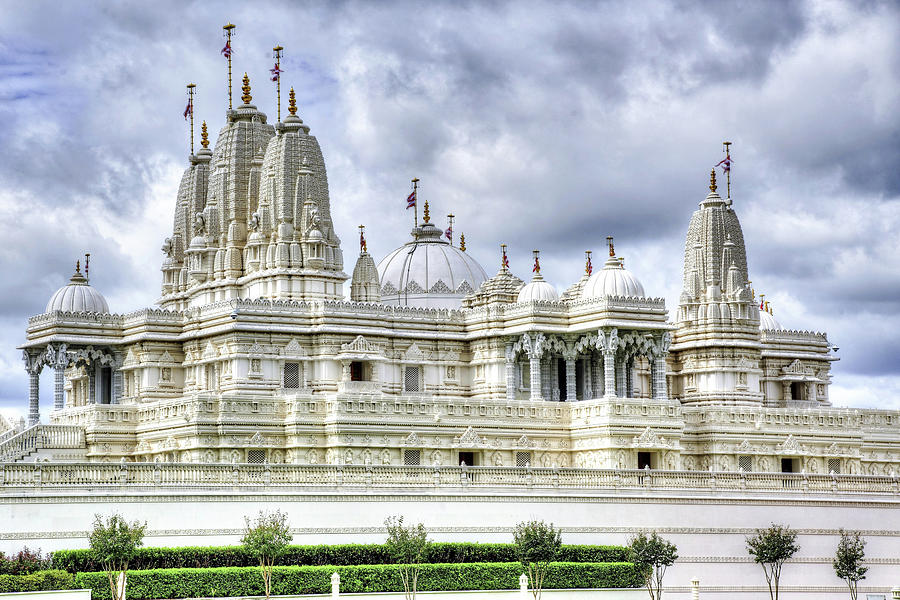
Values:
[(467, 458), (645, 460)]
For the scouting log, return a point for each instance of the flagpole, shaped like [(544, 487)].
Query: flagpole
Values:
[(229, 28), (362, 238), (278, 50), (415, 182), (190, 88), (450, 217), (728, 172)]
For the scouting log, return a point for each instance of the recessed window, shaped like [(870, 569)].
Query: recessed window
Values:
[(357, 371), (291, 379), (256, 456), (411, 376), (523, 459), (745, 463), (834, 466), (412, 458)]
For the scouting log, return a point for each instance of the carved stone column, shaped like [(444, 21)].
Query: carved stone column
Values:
[(609, 374), (118, 384), (571, 387), (33, 366), (658, 378), (587, 377), (629, 378), (92, 382), (554, 379), (545, 378), (535, 374), (510, 372), (620, 377), (597, 375)]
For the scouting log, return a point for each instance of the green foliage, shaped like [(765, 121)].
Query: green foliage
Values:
[(266, 539), (771, 548), (38, 581), (247, 581), (76, 561), (652, 555), (113, 544), (848, 560), (407, 546), (537, 545), (24, 562)]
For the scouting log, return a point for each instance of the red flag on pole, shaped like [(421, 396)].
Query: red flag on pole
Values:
[(226, 51), (189, 109), (411, 200), (276, 72)]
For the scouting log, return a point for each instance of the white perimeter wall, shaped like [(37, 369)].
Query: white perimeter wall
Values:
[(709, 529)]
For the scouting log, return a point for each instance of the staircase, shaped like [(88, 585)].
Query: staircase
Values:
[(19, 447)]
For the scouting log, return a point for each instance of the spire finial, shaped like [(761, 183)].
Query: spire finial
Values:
[(362, 239), (588, 267), (462, 242), (204, 135), (78, 266), (504, 260), (536, 269), (426, 217), (292, 103), (246, 97), (712, 180), (612, 249)]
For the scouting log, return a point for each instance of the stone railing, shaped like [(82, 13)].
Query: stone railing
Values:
[(212, 476), (38, 437)]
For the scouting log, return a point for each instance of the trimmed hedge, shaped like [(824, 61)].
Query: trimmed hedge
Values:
[(76, 561), (247, 581), (39, 581)]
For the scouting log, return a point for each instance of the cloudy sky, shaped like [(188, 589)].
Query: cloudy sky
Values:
[(541, 125)]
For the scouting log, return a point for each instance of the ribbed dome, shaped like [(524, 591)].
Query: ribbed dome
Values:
[(612, 280), (428, 272), (767, 321), (77, 296), (537, 289)]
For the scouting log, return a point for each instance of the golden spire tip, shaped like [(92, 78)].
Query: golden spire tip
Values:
[(246, 97), (204, 136), (712, 180), (426, 217), (292, 103), (462, 242)]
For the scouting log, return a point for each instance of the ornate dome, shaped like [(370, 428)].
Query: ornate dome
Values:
[(77, 296), (428, 272), (767, 321), (612, 280), (537, 289)]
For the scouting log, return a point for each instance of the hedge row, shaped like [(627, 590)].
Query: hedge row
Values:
[(76, 561), (247, 581), (38, 582)]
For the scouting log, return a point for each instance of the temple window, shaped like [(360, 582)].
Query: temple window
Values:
[(256, 456), (834, 466), (523, 459), (357, 371), (412, 458), (412, 379), (291, 376), (745, 463)]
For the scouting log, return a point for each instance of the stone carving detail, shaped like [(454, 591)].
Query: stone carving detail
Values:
[(360, 344), (523, 442), (412, 440), (469, 439), (790, 446), (649, 439)]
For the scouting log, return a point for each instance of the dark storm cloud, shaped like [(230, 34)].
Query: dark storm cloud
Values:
[(543, 125)]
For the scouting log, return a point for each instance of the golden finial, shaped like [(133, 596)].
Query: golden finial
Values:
[(426, 218), (78, 266), (536, 269), (504, 261), (246, 97), (609, 242), (588, 267), (712, 180), (204, 136), (292, 103), (462, 242)]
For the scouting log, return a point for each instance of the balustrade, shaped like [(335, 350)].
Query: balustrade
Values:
[(212, 476)]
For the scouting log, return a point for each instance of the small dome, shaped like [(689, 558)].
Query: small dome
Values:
[(537, 289), (77, 296), (767, 321), (428, 272), (612, 280)]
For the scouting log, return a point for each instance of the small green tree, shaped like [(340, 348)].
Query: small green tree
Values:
[(652, 555), (266, 538), (537, 544), (408, 547), (848, 560), (771, 547), (113, 543)]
